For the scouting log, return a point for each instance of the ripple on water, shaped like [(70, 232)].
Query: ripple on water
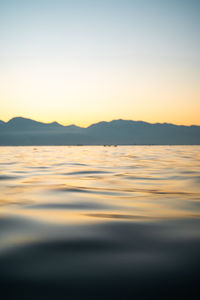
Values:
[(96, 223), (8, 177)]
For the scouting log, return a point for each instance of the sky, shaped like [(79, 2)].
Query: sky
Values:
[(81, 62)]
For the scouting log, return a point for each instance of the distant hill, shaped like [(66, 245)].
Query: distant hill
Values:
[(23, 131)]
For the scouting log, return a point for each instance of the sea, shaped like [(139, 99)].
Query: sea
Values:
[(99, 222)]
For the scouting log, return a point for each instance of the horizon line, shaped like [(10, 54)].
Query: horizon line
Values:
[(28, 118)]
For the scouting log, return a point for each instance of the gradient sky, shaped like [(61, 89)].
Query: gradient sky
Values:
[(86, 61)]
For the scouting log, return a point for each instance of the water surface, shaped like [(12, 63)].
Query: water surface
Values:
[(99, 222)]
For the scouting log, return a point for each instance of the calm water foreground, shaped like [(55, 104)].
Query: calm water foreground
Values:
[(99, 222)]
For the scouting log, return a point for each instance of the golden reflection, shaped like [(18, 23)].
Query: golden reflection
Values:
[(93, 184)]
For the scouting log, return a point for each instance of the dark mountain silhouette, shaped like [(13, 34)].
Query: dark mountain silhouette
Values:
[(23, 131), (2, 122)]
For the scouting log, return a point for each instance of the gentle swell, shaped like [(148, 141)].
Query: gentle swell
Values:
[(100, 222)]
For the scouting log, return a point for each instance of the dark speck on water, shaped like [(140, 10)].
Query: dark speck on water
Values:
[(99, 222)]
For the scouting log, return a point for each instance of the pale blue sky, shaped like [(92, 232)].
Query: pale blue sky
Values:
[(85, 61)]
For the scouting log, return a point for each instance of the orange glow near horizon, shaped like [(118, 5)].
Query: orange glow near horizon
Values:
[(93, 121), (46, 92)]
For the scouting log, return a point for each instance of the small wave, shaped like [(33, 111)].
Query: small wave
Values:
[(8, 177), (86, 172), (73, 206)]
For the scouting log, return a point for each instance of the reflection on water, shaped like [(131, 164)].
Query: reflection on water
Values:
[(99, 223)]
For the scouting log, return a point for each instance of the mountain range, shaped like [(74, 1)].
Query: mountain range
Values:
[(22, 131)]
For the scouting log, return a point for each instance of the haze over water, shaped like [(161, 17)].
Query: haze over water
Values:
[(99, 222)]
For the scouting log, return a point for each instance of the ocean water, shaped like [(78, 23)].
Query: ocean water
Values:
[(99, 222)]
